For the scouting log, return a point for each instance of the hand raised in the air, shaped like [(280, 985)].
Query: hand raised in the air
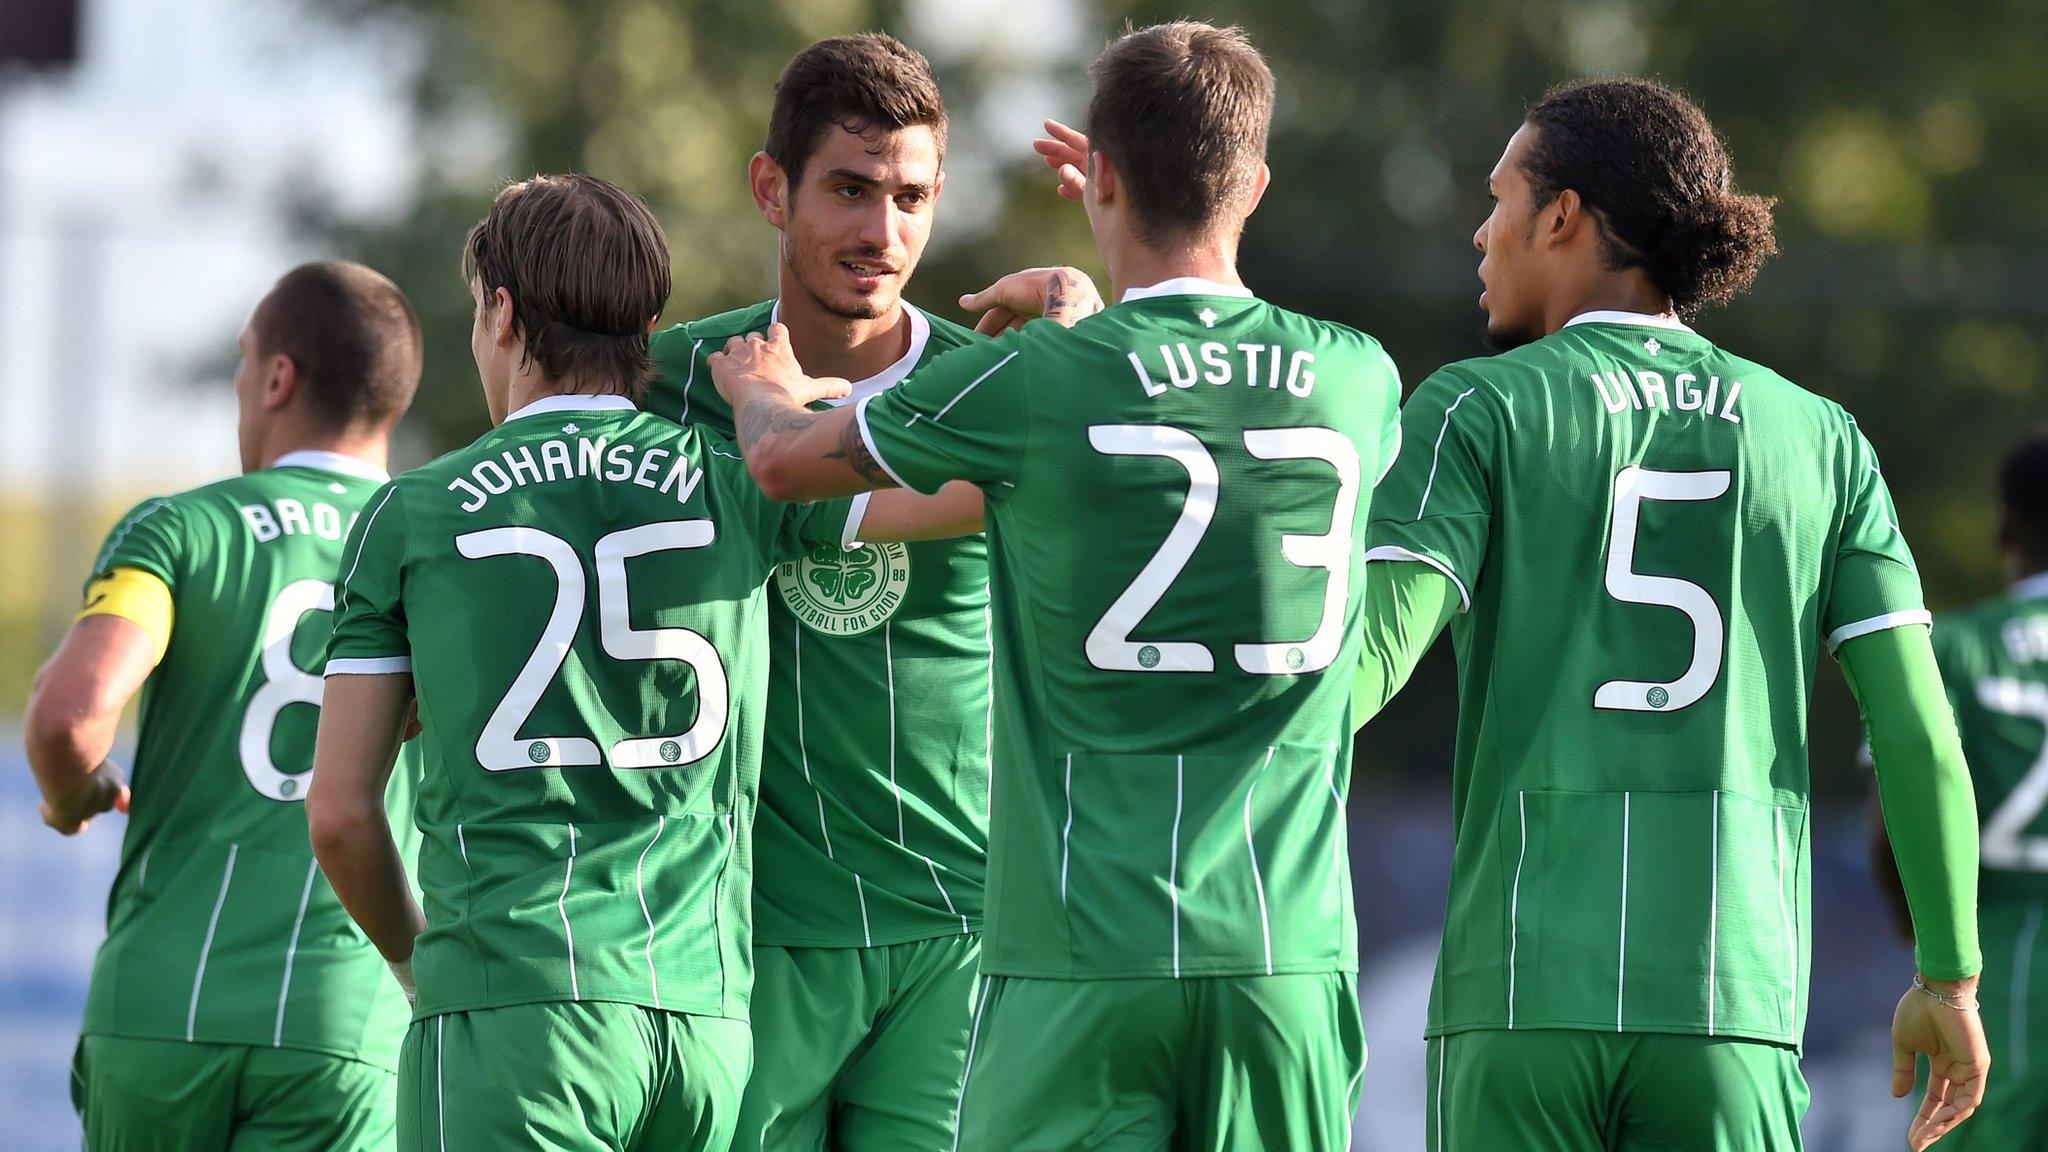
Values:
[(1062, 295), (1952, 1039), (1066, 152), (751, 363)]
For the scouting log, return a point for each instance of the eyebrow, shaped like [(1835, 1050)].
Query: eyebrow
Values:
[(850, 176)]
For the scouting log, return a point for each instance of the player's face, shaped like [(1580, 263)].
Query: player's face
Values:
[(1509, 264), (249, 401), (858, 219), (492, 365)]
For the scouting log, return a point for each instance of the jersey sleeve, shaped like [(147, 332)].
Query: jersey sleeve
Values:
[(963, 416), (780, 530), (369, 613), (1875, 584), (1436, 503), (153, 537)]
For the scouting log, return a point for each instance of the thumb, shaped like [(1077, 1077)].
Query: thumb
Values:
[(976, 301), (121, 800), (1902, 1070), (834, 387), (778, 335)]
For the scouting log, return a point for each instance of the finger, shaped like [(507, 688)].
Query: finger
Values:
[(737, 344), (997, 321), (834, 387), (1072, 137), (778, 335), (121, 800), (1902, 1072), (1072, 182)]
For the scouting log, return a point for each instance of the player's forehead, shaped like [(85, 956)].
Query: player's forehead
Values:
[(1508, 171), (893, 156)]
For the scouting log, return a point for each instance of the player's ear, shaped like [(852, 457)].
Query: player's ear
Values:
[(1102, 178), (1259, 186), (498, 315), (770, 185), (1563, 218), (280, 382)]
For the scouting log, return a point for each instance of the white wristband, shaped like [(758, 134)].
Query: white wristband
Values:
[(402, 970)]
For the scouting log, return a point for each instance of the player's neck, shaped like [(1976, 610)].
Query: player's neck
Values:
[(1140, 265), (370, 448), (1628, 291), (528, 385), (827, 344)]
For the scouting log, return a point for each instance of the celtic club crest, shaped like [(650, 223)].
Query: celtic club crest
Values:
[(845, 591)]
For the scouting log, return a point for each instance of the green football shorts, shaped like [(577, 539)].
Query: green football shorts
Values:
[(1559, 1090), (859, 1049), (1222, 1064), (570, 1077), (2014, 1002), (165, 1095)]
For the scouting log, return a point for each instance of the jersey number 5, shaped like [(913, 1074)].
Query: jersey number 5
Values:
[(500, 747), (1632, 486), (1109, 643)]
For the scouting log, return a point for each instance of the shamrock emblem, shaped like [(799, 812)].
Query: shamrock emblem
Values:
[(844, 575)]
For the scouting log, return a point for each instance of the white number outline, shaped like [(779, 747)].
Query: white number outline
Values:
[(284, 684), (1632, 486), (1109, 645), (500, 747), (2003, 844)]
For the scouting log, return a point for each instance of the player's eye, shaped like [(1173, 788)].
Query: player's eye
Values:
[(850, 191), (911, 199)]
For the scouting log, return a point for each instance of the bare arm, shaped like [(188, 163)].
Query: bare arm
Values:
[(898, 515), (362, 721), (73, 713)]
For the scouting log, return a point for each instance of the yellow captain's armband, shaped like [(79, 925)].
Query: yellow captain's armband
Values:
[(133, 594)]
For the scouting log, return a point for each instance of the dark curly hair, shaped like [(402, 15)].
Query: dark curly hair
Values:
[(1660, 185)]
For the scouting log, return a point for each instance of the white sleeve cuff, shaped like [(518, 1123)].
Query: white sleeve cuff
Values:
[(1848, 632), (860, 417), (368, 665), (850, 536), (1390, 552)]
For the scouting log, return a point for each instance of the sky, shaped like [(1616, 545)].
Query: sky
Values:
[(141, 218)]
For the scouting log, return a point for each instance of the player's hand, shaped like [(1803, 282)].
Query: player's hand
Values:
[(1062, 295), (1066, 152), (753, 363), (104, 789), (1958, 1060)]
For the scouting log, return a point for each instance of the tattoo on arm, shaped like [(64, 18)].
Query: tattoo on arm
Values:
[(761, 417), (853, 448)]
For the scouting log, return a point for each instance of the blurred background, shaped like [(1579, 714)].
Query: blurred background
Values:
[(163, 161)]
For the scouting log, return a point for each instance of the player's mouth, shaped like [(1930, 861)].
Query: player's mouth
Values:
[(867, 275)]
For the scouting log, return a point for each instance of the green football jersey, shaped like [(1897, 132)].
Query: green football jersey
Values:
[(578, 596), (873, 826), (1994, 659), (220, 927), (1652, 538), (1177, 490)]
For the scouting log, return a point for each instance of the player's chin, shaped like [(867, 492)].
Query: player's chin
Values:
[(1502, 336), (870, 305)]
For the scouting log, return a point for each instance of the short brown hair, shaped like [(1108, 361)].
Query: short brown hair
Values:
[(352, 337), (858, 83), (1183, 109), (586, 265)]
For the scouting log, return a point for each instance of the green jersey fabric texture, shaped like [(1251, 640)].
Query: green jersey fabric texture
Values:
[(873, 826), (1177, 490), (220, 927), (579, 599), (1994, 660), (1653, 538)]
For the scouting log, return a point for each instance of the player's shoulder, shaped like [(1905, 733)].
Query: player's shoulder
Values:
[(946, 334), (681, 339)]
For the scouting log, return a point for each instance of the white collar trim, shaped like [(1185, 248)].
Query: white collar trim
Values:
[(887, 378), (573, 402), (331, 462), (1614, 316), (1184, 286), (2031, 588)]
